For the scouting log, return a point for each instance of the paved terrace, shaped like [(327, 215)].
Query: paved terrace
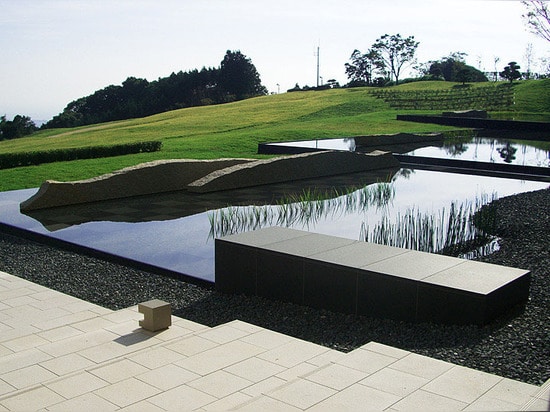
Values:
[(61, 353)]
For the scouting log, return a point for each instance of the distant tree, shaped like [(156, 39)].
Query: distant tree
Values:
[(453, 68), (496, 60), (134, 98), (393, 53), (463, 76), (296, 88), (511, 72), (361, 68), (537, 17), (18, 127), (529, 57), (544, 67), (238, 76)]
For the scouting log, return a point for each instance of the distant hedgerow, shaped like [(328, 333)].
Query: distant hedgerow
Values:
[(10, 160)]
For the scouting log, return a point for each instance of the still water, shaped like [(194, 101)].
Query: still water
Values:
[(477, 149), (176, 231), (490, 151)]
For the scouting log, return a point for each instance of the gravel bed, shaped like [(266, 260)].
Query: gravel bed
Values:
[(516, 346)]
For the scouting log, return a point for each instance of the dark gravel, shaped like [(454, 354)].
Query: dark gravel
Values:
[(516, 346)]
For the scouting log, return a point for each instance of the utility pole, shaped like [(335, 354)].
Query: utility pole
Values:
[(318, 66)]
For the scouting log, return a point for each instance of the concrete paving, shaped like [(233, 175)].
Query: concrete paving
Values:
[(58, 352)]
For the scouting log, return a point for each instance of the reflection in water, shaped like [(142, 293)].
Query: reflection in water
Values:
[(455, 149), (306, 209), (177, 205), (490, 150), (173, 232), (507, 152), (457, 145), (452, 232)]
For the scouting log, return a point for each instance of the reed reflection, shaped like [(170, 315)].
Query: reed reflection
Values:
[(304, 209)]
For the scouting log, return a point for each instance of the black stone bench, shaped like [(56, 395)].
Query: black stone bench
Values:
[(363, 278)]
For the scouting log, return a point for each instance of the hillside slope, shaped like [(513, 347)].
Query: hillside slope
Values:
[(235, 129)]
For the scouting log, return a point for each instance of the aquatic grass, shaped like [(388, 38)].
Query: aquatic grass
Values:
[(461, 229), (456, 230)]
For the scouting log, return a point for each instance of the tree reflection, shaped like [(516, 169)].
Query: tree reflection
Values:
[(507, 152), (456, 149)]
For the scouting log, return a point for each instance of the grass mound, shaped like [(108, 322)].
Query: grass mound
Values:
[(235, 129)]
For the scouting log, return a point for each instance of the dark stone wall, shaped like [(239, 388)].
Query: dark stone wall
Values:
[(516, 125)]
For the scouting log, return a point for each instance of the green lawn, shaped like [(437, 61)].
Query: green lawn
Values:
[(235, 129)]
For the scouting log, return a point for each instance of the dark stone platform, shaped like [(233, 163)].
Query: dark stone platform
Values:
[(363, 278)]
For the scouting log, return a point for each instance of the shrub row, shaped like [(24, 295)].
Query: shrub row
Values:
[(9, 160)]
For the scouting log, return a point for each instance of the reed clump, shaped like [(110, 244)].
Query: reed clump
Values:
[(459, 230)]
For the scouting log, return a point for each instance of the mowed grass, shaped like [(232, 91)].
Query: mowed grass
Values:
[(233, 129)]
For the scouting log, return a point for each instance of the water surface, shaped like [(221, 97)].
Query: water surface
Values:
[(174, 231)]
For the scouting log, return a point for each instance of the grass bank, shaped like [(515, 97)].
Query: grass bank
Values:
[(235, 129)]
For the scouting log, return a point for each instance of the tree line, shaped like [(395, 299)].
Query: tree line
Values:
[(383, 63), (18, 127), (390, 54), (235, 79)]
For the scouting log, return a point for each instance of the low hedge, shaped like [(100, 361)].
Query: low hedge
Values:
[(9, 160)]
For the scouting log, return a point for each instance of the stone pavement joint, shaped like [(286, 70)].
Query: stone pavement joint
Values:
[(83, 356)]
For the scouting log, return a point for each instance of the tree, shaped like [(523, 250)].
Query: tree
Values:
[(18, 127), (238, 76), (453, 68), (360, 70), (393, 53), (511, 72), (544, 64), (537, 17), (496, 59), (529, 56)]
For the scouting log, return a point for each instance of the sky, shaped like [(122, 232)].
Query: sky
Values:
[(55, 51)]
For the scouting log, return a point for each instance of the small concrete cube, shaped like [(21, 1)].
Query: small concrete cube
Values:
[(157, 315)]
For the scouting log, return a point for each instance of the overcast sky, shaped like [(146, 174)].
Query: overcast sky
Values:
[(55, 51)]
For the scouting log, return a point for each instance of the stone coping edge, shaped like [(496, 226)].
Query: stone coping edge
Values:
[(203, 176), (143, 179)]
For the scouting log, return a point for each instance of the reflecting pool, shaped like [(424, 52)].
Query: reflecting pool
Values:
[(490, 150), (476, 149), (176, 231)]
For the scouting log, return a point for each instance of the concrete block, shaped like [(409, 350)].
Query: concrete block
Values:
[(362, 278), (157, 315)]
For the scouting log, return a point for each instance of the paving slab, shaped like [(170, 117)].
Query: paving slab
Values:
[(233, 366)]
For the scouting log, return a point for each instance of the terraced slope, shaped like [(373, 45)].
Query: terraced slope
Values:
[(489, 97)]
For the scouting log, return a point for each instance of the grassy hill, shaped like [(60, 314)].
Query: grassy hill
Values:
[(235, 129)]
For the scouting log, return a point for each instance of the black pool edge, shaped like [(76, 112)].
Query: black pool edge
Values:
[(437, 164), (541, 174), (98, 254), (537, 130), (270, 148)]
